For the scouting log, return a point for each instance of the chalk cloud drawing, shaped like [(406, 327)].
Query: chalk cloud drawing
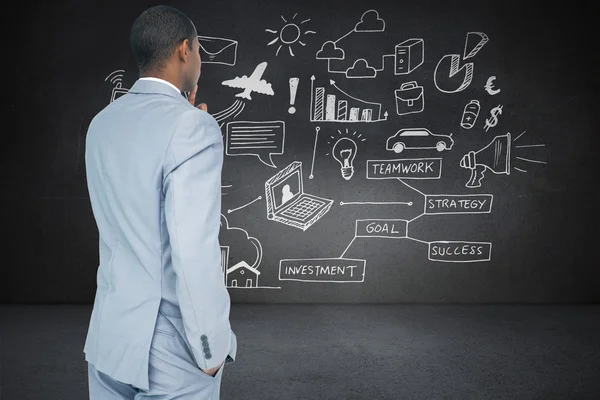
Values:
[(407, 55), (449, 76), (262, 139), (418, 138), (290, 34), (489, 86), (300, 209), (344, 151), (216, 50), (328, 107), (116, 78), (252, 84), (241, 256), (470, 114), (409, 98)]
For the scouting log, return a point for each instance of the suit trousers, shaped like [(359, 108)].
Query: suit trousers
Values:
[(172, 371)]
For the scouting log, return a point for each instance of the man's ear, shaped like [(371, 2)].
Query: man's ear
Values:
[(183, 50)]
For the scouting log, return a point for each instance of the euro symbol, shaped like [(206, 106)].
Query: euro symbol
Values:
[(489, 86)]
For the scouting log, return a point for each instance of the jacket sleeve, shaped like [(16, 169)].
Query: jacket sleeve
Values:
[(192, 193)]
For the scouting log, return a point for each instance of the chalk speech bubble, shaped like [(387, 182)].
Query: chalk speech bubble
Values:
[(262, 139)]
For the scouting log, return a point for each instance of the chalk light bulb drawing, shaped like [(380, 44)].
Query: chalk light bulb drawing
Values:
[(344, 152)]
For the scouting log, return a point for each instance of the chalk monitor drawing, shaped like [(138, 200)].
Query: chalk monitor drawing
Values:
[(254, 83), (289, 204)]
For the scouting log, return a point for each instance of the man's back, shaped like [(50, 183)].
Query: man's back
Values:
[(149, 155)]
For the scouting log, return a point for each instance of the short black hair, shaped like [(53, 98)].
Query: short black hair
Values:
[(156, 33)]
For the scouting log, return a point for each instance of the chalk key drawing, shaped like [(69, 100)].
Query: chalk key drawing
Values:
[(252, 84), (116, 78), (241, 256), (262, 139), (489, 86), (289, 34), (418, 138), (449, 76), (407, 55), (493, 119), (293, 91), (287, 202), (409, 98), (470, 114), (215, 50), (327, 107)]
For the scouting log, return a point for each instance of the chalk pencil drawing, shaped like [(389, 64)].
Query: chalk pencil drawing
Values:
[(291, 33), (254, 83), (289, 204)]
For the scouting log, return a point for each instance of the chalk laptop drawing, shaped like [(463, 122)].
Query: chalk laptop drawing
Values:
[(289, 204)]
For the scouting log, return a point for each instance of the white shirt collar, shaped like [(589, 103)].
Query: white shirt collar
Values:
[(151, 78)]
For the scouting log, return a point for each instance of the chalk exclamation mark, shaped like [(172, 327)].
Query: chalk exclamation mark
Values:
[(293, 90)]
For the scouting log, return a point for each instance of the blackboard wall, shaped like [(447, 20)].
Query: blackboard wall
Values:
[(402, 226)]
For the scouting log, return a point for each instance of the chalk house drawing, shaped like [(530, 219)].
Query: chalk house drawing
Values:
[(290, 34), (289, 204)]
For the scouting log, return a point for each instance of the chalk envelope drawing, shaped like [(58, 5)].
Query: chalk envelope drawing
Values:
[(289, 204), (409, 98), (254, 83), (262, 139), (291, 33), (215, 50)]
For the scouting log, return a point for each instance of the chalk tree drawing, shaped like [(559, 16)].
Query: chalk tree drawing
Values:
[(216, 50), (407, 55), (327, 107), (290, 34), (289, 204), (252, 84)]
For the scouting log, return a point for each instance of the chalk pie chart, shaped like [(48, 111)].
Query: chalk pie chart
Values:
[(450, 77)]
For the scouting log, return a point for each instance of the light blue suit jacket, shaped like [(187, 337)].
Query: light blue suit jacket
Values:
[(153, 165)]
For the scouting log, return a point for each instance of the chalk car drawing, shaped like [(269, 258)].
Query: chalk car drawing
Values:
[(418, 138)]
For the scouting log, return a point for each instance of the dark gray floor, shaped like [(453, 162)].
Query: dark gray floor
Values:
[(345, 352)]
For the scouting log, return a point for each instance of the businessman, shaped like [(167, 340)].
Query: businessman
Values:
[(160, 325)]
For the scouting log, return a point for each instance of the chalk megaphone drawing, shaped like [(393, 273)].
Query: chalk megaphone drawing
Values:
[(495, 157)]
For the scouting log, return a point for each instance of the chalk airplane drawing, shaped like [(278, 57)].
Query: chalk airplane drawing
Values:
[(254, 83)]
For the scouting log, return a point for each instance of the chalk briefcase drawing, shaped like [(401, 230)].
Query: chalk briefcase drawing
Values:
[(409, 98), (214, 50)]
